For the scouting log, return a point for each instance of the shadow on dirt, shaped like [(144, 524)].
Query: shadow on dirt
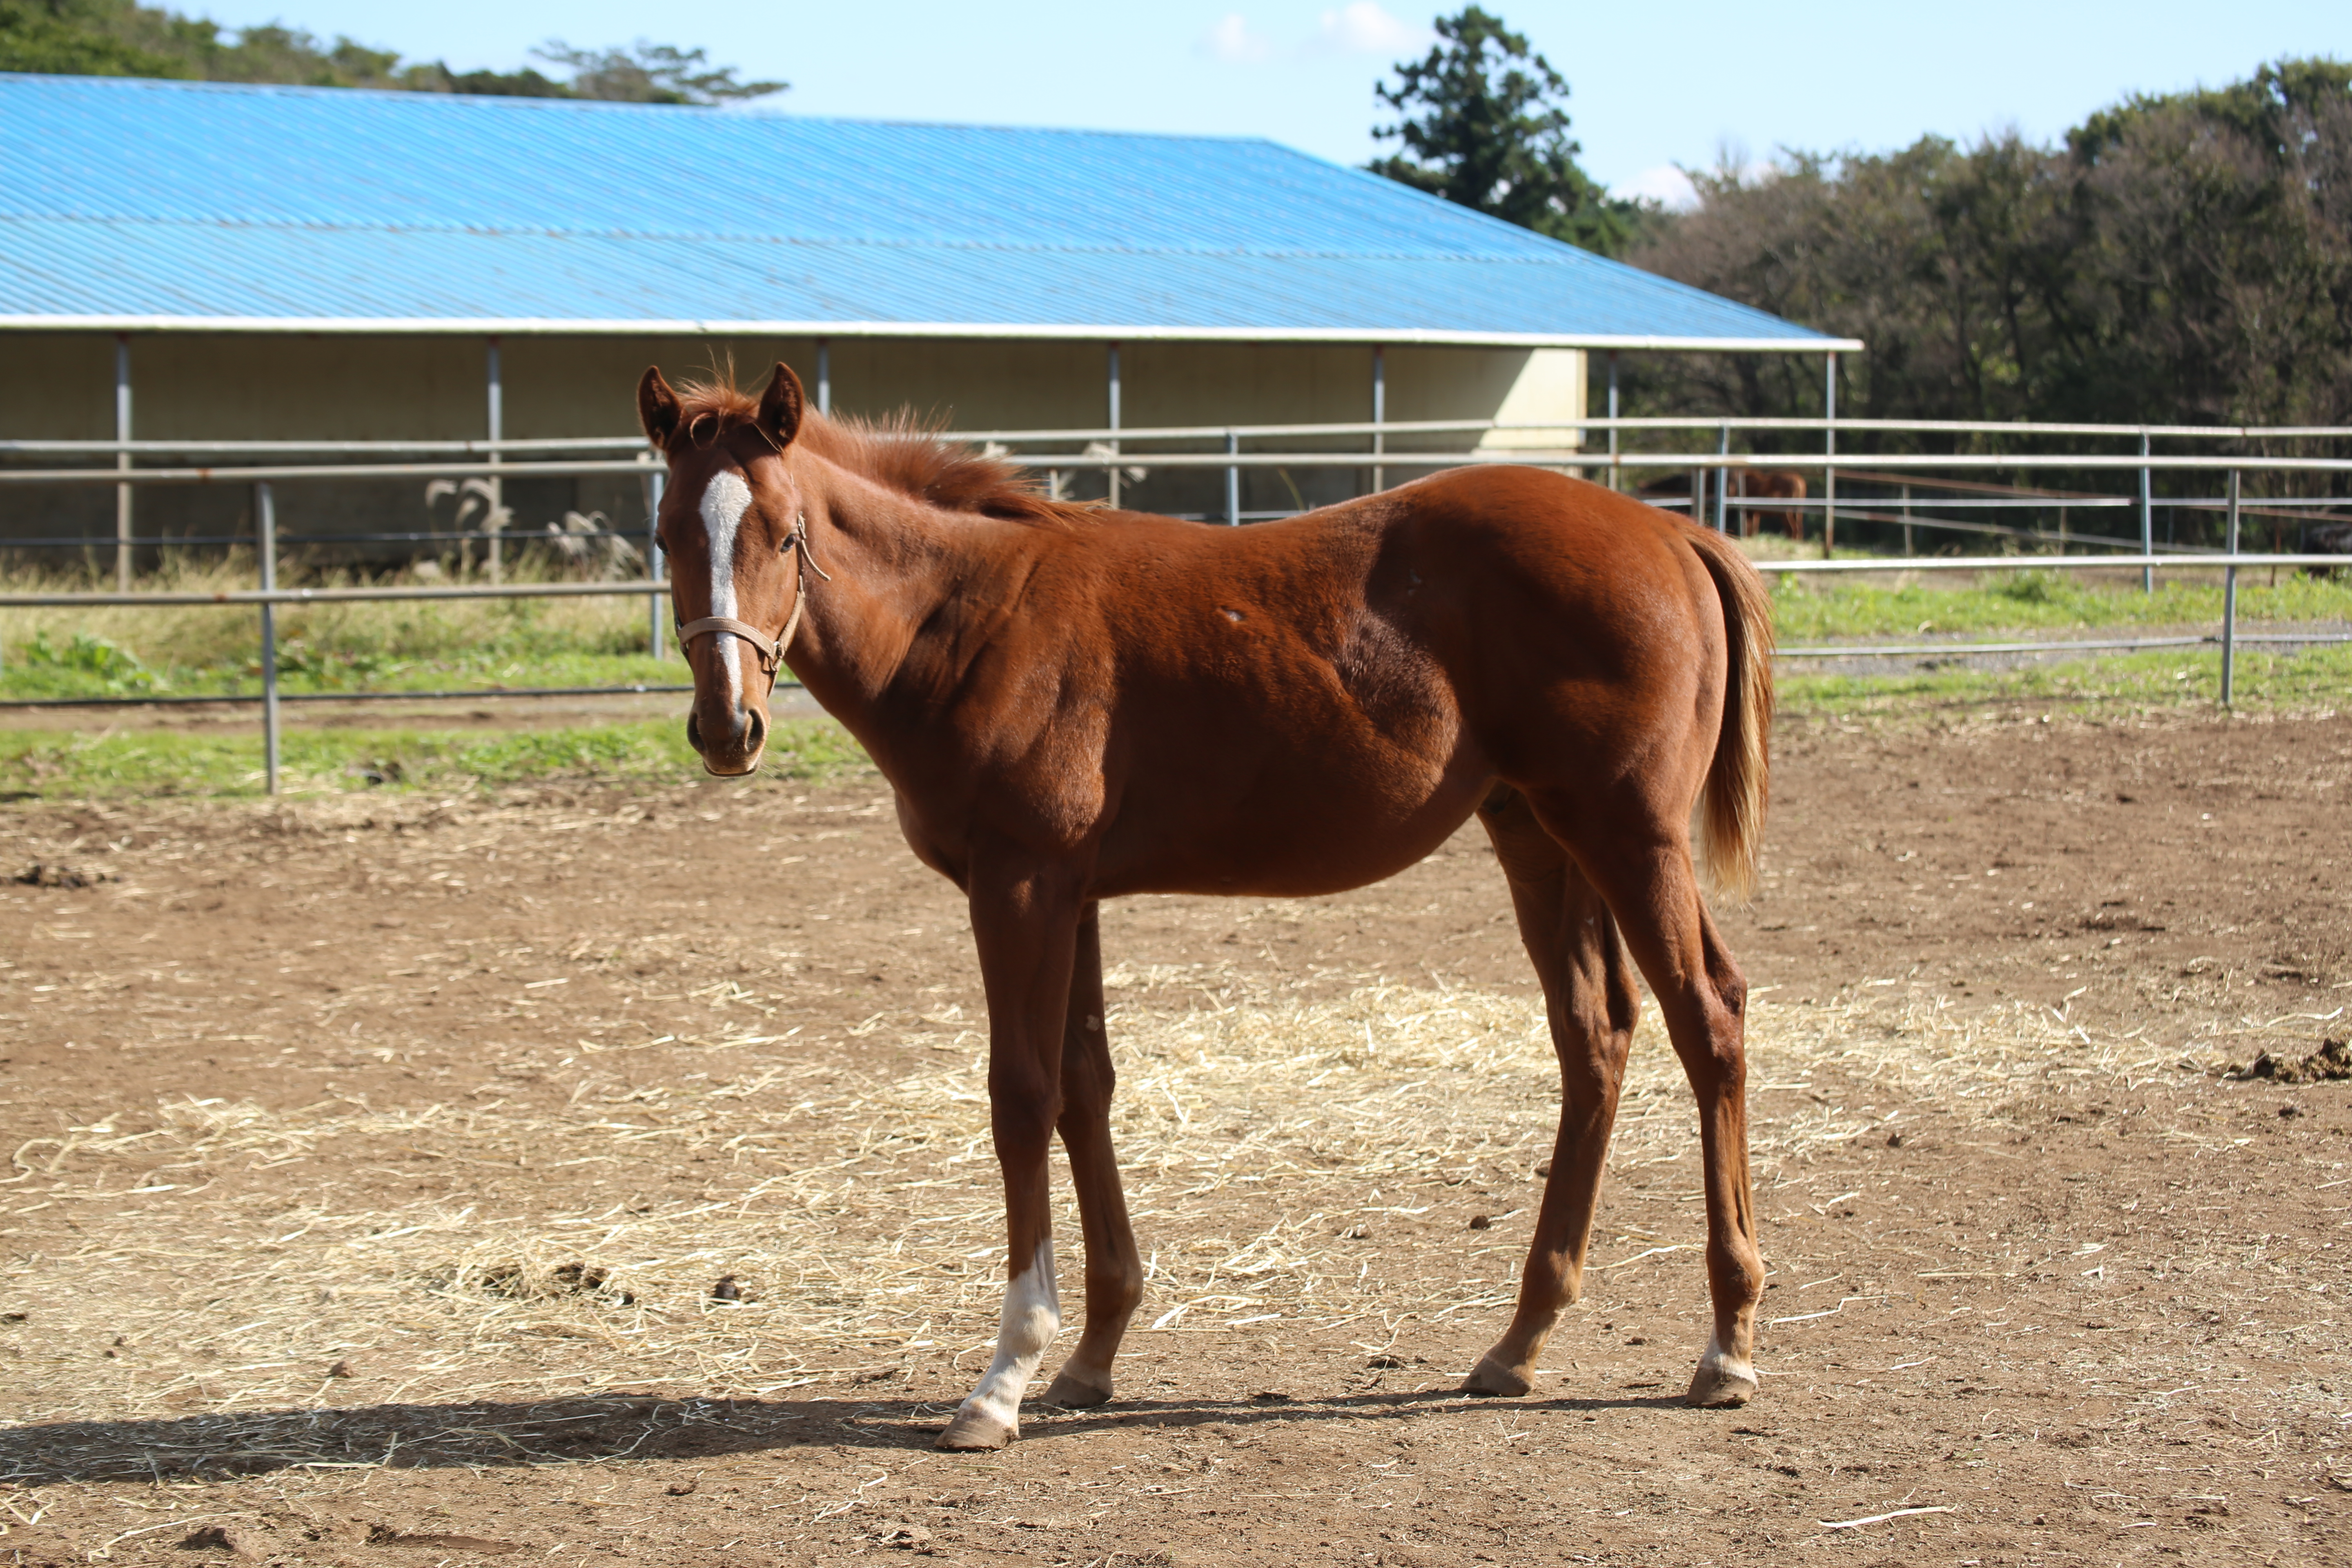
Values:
[(624, 1426)]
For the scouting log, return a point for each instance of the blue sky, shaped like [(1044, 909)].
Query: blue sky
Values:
[(1651, 89)]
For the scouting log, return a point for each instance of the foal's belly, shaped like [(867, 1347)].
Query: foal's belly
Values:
[(1285, 843)]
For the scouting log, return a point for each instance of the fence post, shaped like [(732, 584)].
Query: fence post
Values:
[(1114, 424), (122, 547), (265, 526), (1907, 521), (2147, 521), (1380, 415), (1828, 475), (1723, 482), (2229, 605), (1233, 482), (494, 521), (654, 483), (824, 376), (1614, 478)]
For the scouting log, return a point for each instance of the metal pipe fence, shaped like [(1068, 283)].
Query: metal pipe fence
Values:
[(1119, 447), (1392, 458), (1251, 432), (1232, 460), (270, 596)]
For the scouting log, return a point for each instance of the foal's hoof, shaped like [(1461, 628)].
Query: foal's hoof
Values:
[(1493, 1379), (1072, 1393), (976, 1432), (1720, 1383)]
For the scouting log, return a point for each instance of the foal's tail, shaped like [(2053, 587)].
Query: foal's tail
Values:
[(1731, 808)]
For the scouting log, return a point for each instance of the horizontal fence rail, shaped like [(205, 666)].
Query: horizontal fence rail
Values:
[(1971, 650), (268, 599), (159, 598), (1560, 456), (164, 596), (233, 699), (1258, 432)]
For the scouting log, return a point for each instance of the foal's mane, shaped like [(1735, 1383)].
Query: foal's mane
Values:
[(902, 452)]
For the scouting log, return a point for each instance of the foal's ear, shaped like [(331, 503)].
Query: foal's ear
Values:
[(780, 407), (657, 408)]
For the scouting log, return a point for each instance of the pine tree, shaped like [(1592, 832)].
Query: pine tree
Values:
[(1485, 124)]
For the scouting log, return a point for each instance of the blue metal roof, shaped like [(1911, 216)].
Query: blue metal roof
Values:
[(130, 203)]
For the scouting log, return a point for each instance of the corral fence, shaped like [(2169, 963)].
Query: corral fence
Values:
[(1900, 494)]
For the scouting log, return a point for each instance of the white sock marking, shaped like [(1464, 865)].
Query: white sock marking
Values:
[(1722, 1361), (725, 499), (1033, 1316)]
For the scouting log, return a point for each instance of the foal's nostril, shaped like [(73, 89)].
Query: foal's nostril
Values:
[(755, 731), (693, 733)]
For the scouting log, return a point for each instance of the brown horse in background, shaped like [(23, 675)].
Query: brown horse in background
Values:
[(1743, 484), (1771, 484), (1072, 704)]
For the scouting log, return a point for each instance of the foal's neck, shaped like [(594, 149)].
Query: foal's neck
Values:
[(907, 582)]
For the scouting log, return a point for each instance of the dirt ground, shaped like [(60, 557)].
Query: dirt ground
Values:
[(378, 1159)]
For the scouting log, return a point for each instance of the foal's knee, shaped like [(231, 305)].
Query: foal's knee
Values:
[(1115, 1284)]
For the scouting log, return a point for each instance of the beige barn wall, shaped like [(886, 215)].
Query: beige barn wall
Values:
[(59, 387), (305, 386), (55, 386), (1549, 384), (301, 386)]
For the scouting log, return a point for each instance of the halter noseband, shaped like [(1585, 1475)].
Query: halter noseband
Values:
[(772, 651)]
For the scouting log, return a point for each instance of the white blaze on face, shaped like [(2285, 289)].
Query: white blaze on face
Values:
[(1033, 1316), (725, 499)]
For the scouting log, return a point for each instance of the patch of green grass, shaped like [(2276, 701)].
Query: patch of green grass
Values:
[(412, 646), (1817, 609), (67, 764), (2301, 682), (110, 671)]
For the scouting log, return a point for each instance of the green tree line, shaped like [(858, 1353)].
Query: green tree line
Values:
[(121, 37), (2180, 258), (2184, 258)]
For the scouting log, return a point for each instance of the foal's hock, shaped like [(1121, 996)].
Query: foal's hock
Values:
[(1075, 703)]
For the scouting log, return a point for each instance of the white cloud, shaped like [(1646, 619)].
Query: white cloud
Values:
[(1359, 28), (1362, 27), (1234, 41), (1665, 184)]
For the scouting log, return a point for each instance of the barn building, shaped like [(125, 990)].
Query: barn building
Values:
[(201, 262)]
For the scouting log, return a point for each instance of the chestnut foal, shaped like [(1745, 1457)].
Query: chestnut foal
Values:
[(1072, 704)]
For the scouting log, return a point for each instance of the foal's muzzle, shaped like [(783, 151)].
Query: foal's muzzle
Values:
[(735, 750)]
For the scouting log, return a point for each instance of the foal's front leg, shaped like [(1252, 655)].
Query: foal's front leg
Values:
[(1026, 924)]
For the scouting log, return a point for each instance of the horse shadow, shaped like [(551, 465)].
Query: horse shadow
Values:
[(604, 1428)]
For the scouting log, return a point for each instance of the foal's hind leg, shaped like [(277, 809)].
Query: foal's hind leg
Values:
[(1114, 1266), (1589, 997), (1641, 862)]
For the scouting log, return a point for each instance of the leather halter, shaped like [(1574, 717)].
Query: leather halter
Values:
[(771, 651)]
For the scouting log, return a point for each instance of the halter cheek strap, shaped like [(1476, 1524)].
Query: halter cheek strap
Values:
[(771, 651)]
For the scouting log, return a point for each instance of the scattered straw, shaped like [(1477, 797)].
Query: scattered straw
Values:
[(1276, 1151)]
